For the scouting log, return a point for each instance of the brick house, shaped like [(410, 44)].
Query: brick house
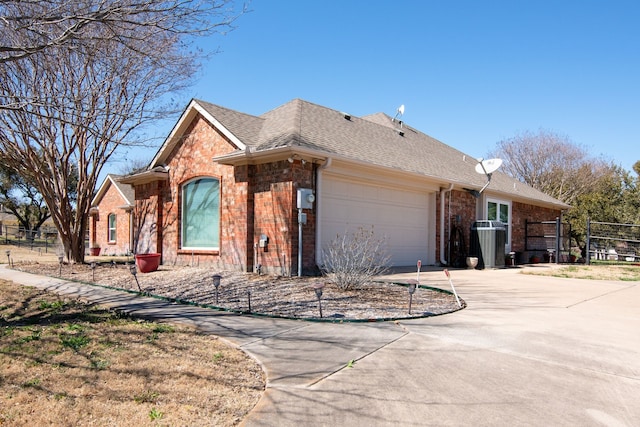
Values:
[(110, 220), (224, 190)]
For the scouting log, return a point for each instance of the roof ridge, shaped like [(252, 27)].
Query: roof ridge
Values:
[(201, 102)]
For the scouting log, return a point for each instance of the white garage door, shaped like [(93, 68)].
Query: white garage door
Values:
[(399, 215)]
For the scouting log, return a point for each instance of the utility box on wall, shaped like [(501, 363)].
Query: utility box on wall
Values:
[(305, 198)]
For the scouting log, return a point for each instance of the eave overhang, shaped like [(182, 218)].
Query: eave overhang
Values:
[(145, 177)]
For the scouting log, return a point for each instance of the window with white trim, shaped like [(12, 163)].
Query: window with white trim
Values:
[(200, 220), (112, 228), (500, 210)]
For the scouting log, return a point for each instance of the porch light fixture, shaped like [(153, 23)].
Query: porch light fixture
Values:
[(294, 157), (216, 284)]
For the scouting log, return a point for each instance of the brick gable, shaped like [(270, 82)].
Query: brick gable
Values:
[(111, 203)]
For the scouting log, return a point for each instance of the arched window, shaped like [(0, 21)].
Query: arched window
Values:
[(112, 228), (200, 225)]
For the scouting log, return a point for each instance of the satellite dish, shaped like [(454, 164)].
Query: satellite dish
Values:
[(489, 166), (399, 112)]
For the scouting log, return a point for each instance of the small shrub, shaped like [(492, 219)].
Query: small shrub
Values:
[(351, 260), (74, 342), (217, 357), (154, 414)]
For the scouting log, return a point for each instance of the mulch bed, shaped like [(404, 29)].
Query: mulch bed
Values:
[(291, 297)]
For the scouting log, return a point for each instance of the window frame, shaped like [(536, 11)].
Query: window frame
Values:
[(501, 202), (184, 186), (112, 230)]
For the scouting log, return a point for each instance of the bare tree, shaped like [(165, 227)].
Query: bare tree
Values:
[(72, 106), (31, 26), (133, 165), (551, 163)]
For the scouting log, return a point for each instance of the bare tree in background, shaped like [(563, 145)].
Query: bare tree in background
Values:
[(557, 166), (32, 26), (71, 100), (551, 163)]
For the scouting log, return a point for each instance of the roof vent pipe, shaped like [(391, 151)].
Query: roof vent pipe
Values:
[(443, 192)]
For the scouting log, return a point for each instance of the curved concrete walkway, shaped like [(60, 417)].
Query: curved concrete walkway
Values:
[(528, 350)]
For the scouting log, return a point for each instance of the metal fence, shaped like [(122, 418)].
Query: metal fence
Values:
[(44, 237), (551, 239), (609, 241)]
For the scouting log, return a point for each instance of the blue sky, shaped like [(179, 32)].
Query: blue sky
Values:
[(470, 73)]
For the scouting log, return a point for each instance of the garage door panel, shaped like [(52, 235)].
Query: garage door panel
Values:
[(399, 216)]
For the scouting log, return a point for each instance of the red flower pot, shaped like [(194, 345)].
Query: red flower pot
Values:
[(147, 262), (94, 251)]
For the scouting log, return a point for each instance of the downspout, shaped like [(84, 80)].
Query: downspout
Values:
[(325, 165), (443, 192)]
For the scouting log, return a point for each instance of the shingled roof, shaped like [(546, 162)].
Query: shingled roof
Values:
[(126, 191), (376, 139)]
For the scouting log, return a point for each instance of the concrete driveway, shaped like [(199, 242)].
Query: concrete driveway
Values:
[(528, 350)]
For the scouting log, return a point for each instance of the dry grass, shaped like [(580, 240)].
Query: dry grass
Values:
[(66, 363), (25, 252), (593, 272)]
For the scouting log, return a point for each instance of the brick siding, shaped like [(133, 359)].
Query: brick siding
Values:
[(463, 205), (255, 200), (111, 203)]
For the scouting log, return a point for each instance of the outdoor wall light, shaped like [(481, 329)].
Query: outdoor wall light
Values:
[(318, 287), (216, 283), (291, 159)]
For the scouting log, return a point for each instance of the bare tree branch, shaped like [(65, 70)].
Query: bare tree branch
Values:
[(551, 163), (31, 26), (69, 106)]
